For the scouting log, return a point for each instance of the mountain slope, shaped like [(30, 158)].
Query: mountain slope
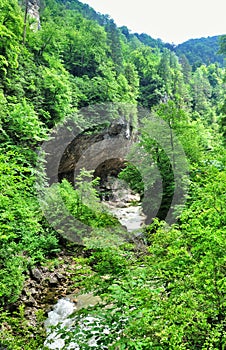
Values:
[(201, 51)]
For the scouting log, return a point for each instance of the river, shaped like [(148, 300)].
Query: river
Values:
[(126, 206)]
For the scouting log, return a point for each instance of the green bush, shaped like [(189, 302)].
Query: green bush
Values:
[(23, 240)]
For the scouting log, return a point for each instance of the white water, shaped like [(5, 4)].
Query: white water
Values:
[(125, 204), (130, 216), (60, 317)]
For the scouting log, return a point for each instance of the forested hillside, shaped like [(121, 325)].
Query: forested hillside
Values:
[(197, 51), (201, 51), (169, 294)]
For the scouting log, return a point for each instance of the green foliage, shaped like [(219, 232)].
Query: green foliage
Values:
[(80, 206), (132, 176), (111, 261), (179, 257), (56, 87), (16, 333), (22, 124), (85, 48), (174, 296), (201, 90), (151, 85), (10, 32), (201, 51), (149, 41), (223, 44), (23, 240), (170, 295)]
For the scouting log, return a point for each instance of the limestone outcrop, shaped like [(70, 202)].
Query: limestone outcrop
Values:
[(102, 150), (33, 7)]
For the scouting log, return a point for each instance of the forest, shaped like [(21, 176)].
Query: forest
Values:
[(167, 289)]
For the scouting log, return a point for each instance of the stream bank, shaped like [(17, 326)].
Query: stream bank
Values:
[(126, 206), (48, 285), (44, 285)]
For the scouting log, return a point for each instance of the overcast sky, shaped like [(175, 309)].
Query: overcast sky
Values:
[(173, 21)]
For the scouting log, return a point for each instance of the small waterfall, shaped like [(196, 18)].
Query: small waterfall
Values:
[(59, 315), (63, 317)]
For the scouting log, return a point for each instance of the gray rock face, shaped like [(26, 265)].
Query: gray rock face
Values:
[(53, 280), (44, 286), (33, 12), (102, 150), (37, 274)]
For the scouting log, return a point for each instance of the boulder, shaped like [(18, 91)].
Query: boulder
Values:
[(37, 274)]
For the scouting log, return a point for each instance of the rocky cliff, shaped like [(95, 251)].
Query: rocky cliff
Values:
[(33, 7)]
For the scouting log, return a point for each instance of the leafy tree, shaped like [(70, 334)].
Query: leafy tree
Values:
[(79, 205), (165, 71), (22, 125), (23, 240), (113, 35), (11, 23), (84, 47), (151, 86), (223, 104), (201, 89), (186, 68), (149, 41)]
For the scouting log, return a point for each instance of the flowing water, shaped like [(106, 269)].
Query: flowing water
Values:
[(59, 315), (64, 318), (131, 217), (126, 207)]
